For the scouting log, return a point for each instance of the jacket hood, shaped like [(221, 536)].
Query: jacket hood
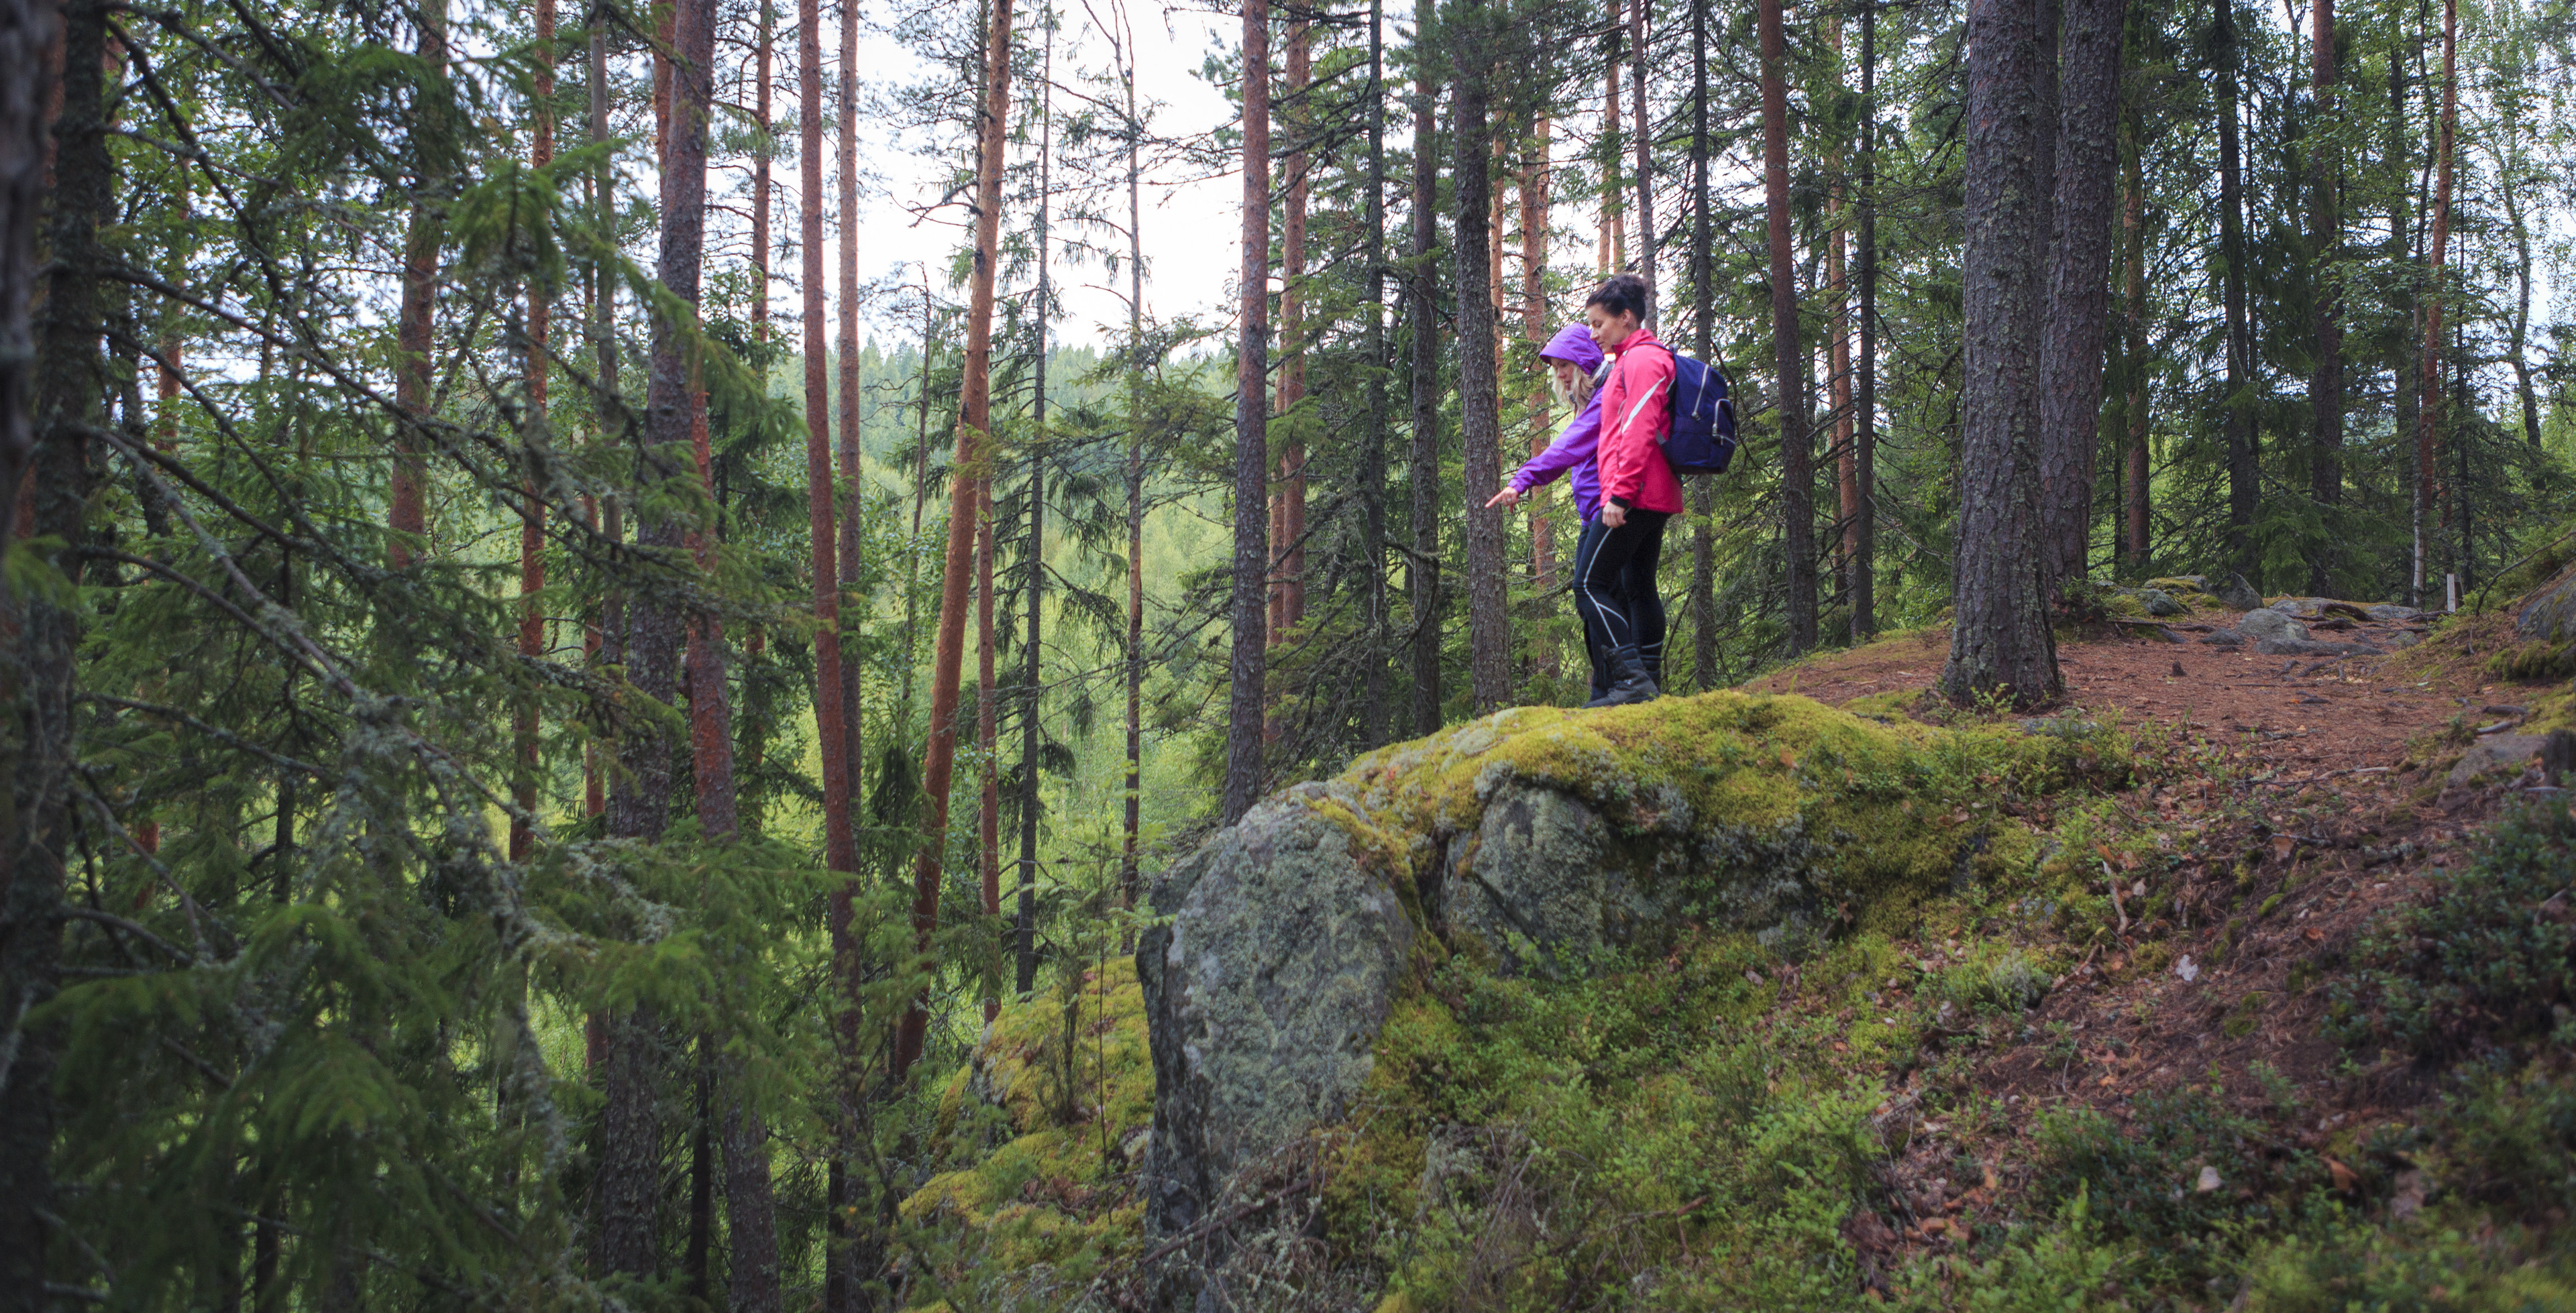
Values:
[(1573, 343)]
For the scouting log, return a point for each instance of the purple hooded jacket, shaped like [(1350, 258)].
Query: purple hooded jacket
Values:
[(1573, 447)]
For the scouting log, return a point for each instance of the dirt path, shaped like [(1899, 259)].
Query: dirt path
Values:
[(2285, 803)]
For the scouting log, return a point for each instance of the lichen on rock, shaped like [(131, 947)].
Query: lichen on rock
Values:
[(1538, 842)]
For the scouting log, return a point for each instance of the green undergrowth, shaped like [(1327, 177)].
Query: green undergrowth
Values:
[(1708, 1121), (1029, 1203)]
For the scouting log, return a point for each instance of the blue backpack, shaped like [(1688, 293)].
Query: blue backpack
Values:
[(1702, 437)]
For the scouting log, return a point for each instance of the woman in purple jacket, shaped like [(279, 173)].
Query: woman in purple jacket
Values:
[(1576, 359)]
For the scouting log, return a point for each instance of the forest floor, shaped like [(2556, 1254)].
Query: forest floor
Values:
[(2303, 798)]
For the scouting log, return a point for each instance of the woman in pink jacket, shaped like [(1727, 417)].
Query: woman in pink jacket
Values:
[(1638, 490)]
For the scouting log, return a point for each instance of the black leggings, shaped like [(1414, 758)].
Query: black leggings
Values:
[(1620, 581), (1596, 640)]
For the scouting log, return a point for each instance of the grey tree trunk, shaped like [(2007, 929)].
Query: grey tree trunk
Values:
[(2000, 644), (2325, 385), (1480, 425), (1864, 569), (2079, 279), (1789, 358), (1248, 664), (1374, 692), (1703, 539), (2244, 487), (1422, 569), (67, 384)]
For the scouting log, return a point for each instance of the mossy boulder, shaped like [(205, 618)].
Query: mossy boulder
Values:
[(1536, 843)]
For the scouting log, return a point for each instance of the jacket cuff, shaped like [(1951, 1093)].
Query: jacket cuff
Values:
[(1623, 503)]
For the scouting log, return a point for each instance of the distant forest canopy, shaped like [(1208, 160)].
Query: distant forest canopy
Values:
[(536, 745)]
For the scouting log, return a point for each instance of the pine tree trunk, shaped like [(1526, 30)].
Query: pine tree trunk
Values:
[(628, 1184), (2519, 344), (2429, 416), (2244, 487), (1289, 546), (1644, 132), (27, 29), (988, 728), (1864, 572), (1789, 359), (1248, 665), (1838, 384), (2000, 644), (1489, 639), (1135, 650), (1033, 669), (1613, 250), (1374, 681), (2325, 386), (974, 435), (532, 515), (63, 398), (1422, 569), (853, 455), (2137, 487), (1703, 492), (1534, 330), (407, 514), (609, 409), (2079, 282)]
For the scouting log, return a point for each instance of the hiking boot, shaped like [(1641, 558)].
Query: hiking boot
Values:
[(1629, 681)]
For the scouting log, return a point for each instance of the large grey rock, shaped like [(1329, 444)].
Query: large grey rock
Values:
[(2495, 752), (1263, 996), (2264, 623), (2304, 608), (2238, 594), (2391, 611), (2551, 613), (2158, 602)]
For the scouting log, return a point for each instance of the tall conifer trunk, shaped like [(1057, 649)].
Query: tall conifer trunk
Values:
[(407, 514), (974, 437), (1534, 224), (2244, 482), (27, 29), (2079, 280), (1291, 527), (629, 1168), (2136, 488), (2325, 211), (2428, 419), (853, 455), (1248, 664), (1703, 490), (1135, 644), (1864, 571), (532, 516), (1644, 130), (2000, 645), (1489, 636), (64, 393), (1838, 378), (1024, 935), (1422, 285), (1374, 682), (1789, 359)]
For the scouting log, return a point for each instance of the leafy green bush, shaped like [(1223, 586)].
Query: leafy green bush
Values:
[(2492, 955)]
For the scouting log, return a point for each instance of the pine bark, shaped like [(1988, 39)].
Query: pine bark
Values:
[(63, 394), (1135, 638), (2325, 210), (628, 1187), (1489, 639), (407, 512), (1534, 330), (2137, 488), (2000, 644), (853, 455), (532, 514), (1374, 681), (1289, 531), (2244, 483), (1248, 663), (2428, 420), (2079, 280), (1422, 284), (27, 29), (1838, 365), (1864, 572), (974, 436), (1645, 144), (988, 729), (1032, 671), (1789, 359), (1703, 492)]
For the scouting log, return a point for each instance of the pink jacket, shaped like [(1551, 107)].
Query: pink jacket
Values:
[(1636, 411)]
